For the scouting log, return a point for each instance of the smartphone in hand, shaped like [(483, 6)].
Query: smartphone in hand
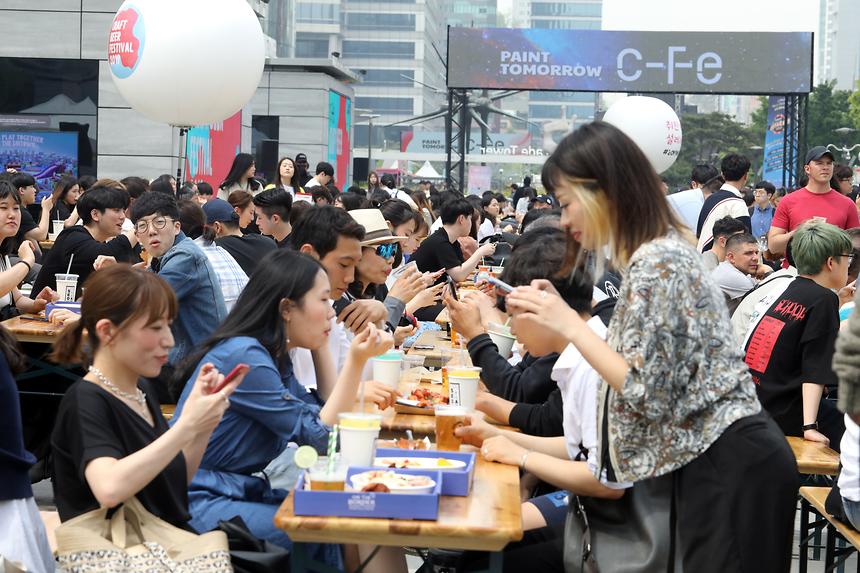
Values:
[(239, 370)]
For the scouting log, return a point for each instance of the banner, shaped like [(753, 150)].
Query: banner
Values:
[(46, 155), (339, 122), (609, 61), (497, 143), (210, 150), (773, 161), (480, 179)]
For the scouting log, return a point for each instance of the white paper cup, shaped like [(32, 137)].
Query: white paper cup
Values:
[(498, 271), (504, 342), (463, 386), (386, 369), (53, 236), (67, 285), (358, 434), (58, 226)]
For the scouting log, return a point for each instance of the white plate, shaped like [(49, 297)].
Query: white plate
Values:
[(419, 463), (358, 482)]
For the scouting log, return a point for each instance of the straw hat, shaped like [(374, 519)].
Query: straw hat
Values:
[(376, 231)]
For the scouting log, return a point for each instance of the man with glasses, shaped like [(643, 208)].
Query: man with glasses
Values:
[(790, 348), (186, 268)]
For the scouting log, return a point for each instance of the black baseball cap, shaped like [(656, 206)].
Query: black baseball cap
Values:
[(818, 152), (301, 157), (545, 199)]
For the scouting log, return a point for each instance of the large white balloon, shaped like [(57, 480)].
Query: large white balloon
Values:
[(186, 62), (652, 124)]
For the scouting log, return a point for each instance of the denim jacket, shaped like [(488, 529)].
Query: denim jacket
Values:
[(201, 304)]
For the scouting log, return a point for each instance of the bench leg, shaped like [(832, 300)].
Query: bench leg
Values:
[(803, 548), (830, 549)]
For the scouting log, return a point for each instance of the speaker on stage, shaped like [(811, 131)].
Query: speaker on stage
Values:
[(266, 158), (359, 170)]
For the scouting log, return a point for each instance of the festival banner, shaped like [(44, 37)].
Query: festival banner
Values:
[(339, 122), (773, 163), (210, 150), (614, 61)]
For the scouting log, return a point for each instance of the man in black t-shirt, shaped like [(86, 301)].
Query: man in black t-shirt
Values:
[(102, 211), (29, 228), (790, 350), (441, 249)]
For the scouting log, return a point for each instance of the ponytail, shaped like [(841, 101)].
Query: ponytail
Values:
[(67, 347)]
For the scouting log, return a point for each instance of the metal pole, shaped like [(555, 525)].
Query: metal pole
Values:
[(183, 131), (369, 144)]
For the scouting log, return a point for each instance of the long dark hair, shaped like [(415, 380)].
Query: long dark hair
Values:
[(485, 202), (241, 163), (7, 190), (61, 188), (282, 274), (294, 182)]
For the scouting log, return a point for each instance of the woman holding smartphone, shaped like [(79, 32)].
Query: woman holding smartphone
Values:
[(110, 441), (676, 401)]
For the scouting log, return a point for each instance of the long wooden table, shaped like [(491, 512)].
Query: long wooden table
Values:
[(814, 458), (32, 328), (487, 520)]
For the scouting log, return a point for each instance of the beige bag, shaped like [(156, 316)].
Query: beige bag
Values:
[(135, 540)]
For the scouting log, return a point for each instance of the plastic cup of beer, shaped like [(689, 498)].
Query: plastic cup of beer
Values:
[(448, 419), (463, 386), (67, 286), (386, 368), (358, 434), (321, 479)]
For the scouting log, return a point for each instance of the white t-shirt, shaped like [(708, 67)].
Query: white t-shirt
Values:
[(752, 308), (6, 299), (486, 230), (578, 383), (849, 479)]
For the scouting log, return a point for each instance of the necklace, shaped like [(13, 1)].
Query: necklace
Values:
[(140, 397)]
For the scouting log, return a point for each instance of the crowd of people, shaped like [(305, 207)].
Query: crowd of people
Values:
[(665, 346)]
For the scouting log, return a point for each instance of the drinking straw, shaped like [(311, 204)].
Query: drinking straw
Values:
[(508, 322), (501, 264), (483, 262), (72, 258), (332, 440), (409, 435)]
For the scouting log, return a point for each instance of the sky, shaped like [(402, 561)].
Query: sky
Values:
[(711, 15)]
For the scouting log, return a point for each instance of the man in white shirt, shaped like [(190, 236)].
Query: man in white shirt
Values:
[(688, 204), (323, 174), (727, 201)]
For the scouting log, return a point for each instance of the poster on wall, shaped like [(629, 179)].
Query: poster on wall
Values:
[(46, 155), (480, 179), (210, 150), (339, 122)]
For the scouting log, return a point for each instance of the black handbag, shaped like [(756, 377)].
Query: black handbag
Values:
[(9, 311), (250, 554)]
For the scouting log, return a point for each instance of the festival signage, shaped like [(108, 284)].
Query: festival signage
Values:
[(339, 122), (516, 144), (210, 150), (773, 164), (644, 62)]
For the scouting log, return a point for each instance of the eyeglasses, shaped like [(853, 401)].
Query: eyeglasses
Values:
[(850, 257), (158, 224), (386, 251)]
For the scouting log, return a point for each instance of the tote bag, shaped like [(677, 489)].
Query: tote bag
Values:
[(133, 540)]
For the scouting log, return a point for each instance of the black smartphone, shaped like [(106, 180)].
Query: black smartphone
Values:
[(341, 303), (452, 286)]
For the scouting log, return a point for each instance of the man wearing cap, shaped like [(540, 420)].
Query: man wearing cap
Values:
[(815, 201), (302, 167)]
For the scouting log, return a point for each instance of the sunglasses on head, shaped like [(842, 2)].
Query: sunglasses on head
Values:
[(387, 250)]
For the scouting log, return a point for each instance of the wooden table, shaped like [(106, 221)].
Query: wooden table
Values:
[(487, 520), (31, 328), (813, 458)]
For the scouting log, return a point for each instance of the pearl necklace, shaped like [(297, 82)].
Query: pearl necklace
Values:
[(140, 397)]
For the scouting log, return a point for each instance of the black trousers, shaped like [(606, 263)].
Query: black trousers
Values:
[(734, 504)]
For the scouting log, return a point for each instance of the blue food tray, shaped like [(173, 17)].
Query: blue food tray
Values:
[(454, 481), (369, 504), (72, 306)]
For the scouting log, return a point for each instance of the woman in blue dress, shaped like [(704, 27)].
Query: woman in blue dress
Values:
[(285, 305)]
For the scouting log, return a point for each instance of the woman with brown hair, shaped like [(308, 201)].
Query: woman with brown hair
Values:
[(677, 407), (110, 441), (65, 197)]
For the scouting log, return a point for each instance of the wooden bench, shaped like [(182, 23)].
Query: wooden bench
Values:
[(812, 500), (51, 519)]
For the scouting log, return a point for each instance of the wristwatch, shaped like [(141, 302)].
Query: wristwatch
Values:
[(812, 426)]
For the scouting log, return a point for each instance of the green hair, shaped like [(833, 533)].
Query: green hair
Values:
[(814, 242)]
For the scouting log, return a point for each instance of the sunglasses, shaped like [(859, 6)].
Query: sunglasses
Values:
[(386, 251)]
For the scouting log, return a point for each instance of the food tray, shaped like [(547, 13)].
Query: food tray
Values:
[(454, 481), (369, 504)]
